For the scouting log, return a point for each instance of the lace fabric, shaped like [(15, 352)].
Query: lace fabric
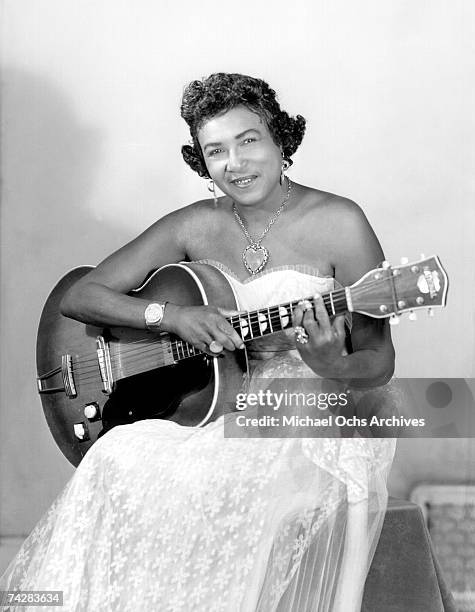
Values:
[(172, 519)]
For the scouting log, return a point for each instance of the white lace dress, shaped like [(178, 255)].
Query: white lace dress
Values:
[(164, 518)]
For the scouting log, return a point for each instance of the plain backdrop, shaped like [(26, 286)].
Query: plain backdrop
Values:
[(90, 156)]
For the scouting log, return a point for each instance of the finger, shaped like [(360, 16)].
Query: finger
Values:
[(297, 314), (339, 325), (223, 339), (229, 313), (215, 347), (203, 347), (308, 308), (311, 324), (229, 329), (231, 333), (321, 314), (202, 344)]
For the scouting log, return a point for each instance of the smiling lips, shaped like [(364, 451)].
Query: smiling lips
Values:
[(243, 181)]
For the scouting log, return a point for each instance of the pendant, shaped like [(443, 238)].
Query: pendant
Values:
[(255, 258)]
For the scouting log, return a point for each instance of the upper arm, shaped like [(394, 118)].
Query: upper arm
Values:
[(163, 242), (358, 252)]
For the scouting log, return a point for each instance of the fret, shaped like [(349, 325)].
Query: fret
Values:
[(269, 318), (343, 302), (255, 325), (241, 326), (250, 324), (175, 353)]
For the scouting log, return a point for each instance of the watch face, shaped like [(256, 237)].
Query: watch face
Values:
[(153, 313)]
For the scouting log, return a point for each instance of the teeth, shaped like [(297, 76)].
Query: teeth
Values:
[(245, 181)]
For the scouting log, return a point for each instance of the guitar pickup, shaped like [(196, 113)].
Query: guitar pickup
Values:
[(105, 366)]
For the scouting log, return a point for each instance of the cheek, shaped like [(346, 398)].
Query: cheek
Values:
[(214, 167)]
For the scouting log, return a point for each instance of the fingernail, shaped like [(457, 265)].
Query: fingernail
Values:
[(242, 346)]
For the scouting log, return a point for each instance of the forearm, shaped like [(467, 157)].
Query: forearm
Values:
[(363, 368), (97, 304)]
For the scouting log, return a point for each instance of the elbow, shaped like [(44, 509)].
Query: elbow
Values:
[(385, 368), (66, 305), (69, 305)]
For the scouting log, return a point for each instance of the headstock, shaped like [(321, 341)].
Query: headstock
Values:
[(389, 291)]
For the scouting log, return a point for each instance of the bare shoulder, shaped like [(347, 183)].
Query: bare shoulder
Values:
[(165, 241), (189, 214), (331, 209), (344, 232)]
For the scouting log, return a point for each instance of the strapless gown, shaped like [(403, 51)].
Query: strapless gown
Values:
[(165, 518)]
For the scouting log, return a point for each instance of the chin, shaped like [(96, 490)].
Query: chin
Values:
[(247, 197)]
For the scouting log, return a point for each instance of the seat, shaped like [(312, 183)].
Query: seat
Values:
[(405, 575)]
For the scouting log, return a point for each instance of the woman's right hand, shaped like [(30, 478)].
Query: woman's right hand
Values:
[(201, 326)]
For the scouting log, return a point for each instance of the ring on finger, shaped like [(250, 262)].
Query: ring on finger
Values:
[(215, 347), (300, 334)]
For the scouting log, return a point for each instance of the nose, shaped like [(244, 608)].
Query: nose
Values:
[(235, 161)]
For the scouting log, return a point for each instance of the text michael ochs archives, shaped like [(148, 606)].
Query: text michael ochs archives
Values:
[(336, 409)]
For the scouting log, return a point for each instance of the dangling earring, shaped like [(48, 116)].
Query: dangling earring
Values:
[(285, 166), (212, 189)]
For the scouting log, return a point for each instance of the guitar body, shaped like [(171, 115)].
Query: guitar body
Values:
[(191, 392)]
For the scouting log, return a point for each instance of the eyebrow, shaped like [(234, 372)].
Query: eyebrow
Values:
[(237, 137)]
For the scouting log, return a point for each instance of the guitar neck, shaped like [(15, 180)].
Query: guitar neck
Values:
[(265, 321)]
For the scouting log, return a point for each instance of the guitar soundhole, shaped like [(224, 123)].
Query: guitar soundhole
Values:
[(155, 394)]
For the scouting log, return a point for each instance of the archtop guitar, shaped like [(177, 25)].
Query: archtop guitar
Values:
[(91, 379)]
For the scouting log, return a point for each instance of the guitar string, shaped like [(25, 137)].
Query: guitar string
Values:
[(246, 315), (147, 362), (339, 297), (275, 319), (158, 351), (253, 316)]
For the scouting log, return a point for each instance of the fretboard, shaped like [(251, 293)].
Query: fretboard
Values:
[(264, 321)]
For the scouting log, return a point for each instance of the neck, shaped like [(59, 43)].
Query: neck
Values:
[(259, 212)]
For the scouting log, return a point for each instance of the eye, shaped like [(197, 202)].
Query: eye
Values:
[(249, 140), (214, 152)]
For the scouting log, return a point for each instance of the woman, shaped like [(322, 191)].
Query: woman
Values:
[(164, 517)]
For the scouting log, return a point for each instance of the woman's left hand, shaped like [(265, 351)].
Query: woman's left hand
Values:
[(319, 340)]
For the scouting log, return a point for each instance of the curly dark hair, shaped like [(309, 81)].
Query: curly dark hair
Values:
[(223, 91)]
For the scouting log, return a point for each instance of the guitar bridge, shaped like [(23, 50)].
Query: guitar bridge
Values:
[(105, 366)]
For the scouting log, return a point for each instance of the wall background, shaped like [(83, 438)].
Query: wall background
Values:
[(90, 156)]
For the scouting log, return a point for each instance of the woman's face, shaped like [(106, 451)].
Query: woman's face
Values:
[(241, 157)]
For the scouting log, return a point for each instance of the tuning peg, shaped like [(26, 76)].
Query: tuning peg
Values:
[(412, 316), (430, 312), (385, 265), (393, 320), (404, 260)]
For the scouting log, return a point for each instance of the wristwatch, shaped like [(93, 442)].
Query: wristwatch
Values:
[(153, 315)]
